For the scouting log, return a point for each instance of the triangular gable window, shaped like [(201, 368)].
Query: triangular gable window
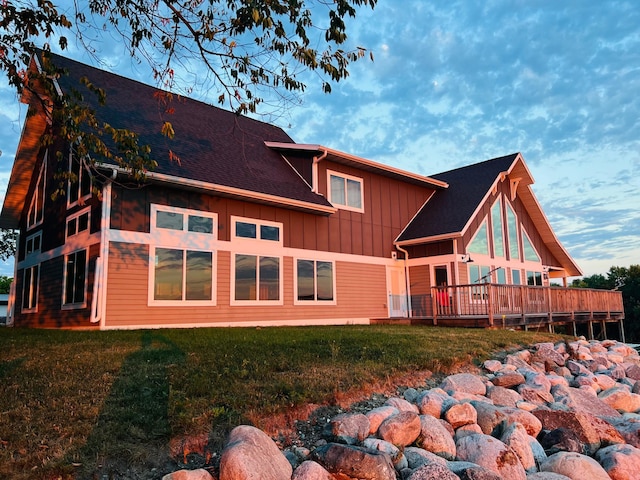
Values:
[(512, 233), (480, 243), (530, 253), (36, 209)]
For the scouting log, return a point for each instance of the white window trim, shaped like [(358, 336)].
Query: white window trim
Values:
[(498, 202), (232, 293), (151, 301), (42, 175), (524, 259), (75, 216), (184, 240), (37, 289), (296, 301), (346, 177), (77, 184), (508, 231), (78, 305), (30, 238), (258, 223)]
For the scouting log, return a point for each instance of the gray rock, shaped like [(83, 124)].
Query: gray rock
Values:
[(434, 402), (517, 438), (547, 476), (349, 428), (378, 415), (489, 416), (581, 401), (250, 453), (435, 438), (464, 382), (433, 471), (492, 454), (354, 462), (310, 470), (505, 397), (574, 466), (621, 462), (417, 457), (402, 405), (397, 457)]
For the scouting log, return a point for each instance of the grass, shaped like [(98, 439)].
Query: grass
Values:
[(76, 403)]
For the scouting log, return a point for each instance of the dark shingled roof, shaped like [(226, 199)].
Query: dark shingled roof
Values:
[(214, 146), (449, 210)]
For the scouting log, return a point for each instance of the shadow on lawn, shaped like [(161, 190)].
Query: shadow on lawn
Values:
[(133, 427)]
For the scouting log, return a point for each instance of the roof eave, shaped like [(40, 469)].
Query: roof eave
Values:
[(348, 159)]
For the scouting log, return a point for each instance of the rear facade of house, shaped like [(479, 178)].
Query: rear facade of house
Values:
[(244, 227)]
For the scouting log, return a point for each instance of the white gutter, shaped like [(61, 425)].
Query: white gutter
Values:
[(314, 171)]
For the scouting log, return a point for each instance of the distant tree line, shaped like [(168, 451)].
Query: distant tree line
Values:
[(626, 280)]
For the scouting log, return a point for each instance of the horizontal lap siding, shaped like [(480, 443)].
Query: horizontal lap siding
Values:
[(360, 293)]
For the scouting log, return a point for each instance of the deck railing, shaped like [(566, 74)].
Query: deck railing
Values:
[(497, 302)]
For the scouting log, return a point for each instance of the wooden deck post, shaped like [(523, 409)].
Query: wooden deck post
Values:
[(590, 329), (621, 326), (575, 328), (490, 304), (434, 305)]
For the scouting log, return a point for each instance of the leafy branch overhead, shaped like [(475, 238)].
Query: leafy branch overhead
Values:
[(249, 52)]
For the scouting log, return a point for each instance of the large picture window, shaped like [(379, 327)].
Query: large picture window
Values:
[(480, 243), (498, 236), (315, 281), (75, 279), (257, 278), (346, 191), (530, 253), (512, 233), (183, 275), (182, 262)]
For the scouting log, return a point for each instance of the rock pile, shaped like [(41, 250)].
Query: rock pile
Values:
[(554, 412)]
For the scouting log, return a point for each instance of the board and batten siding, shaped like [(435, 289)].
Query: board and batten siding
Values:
[(360, 292)]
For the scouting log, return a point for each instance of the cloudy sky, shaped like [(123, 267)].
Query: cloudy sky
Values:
[(455, 83)]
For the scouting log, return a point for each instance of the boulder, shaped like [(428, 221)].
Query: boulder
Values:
[(508, 379), (628, 426), (517, 438), (575, 466), (435, 438), (528, 420), (433, 471), (504, 397), (402, 405), (621, 399), (489, 416), (397, 457), (461, 414), (562, 440), (400, 429), (536, 395), (582, 401), (310, 470), (419, 456), (547, 476), (434, 402), (354, 462), (198, 474), (349, 428), (464, 382), (621, 462), (377, 415), (492, 454), (250, 453), (492, 365), (471, 471)]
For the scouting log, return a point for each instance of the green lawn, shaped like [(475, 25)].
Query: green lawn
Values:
[(71, 403)]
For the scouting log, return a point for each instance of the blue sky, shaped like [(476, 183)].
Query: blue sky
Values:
[(455, 83)]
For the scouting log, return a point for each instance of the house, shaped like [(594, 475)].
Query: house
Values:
[(245, 227)]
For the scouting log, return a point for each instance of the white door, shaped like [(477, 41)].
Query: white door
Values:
[(397, 292)]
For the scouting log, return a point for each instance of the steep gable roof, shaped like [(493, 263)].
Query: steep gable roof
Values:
[(448, 211), (217, 149)]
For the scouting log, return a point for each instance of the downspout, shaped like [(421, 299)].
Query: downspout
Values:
[(98, 302), (406, 279), (314, 170)]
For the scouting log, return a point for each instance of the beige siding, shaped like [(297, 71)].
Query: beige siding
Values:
[(360, 292)]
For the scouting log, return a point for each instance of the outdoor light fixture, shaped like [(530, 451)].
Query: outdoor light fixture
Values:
[(467, 258)]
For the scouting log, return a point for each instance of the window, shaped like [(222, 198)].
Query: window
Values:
[(179, 219), (479, 274), (183, 275), (181, 265), (314, 281), (35, 214), (246, 228), (515, 277), (345, 191), (498, 236), (257, 278), (512, 233), (534, 278), (33, 244), (74, 282), (530, 253), (501, 276), (79, 186), (30, 288), (480, 243), (78, 223)]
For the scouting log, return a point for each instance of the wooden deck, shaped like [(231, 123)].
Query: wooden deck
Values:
[(490, 305)]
